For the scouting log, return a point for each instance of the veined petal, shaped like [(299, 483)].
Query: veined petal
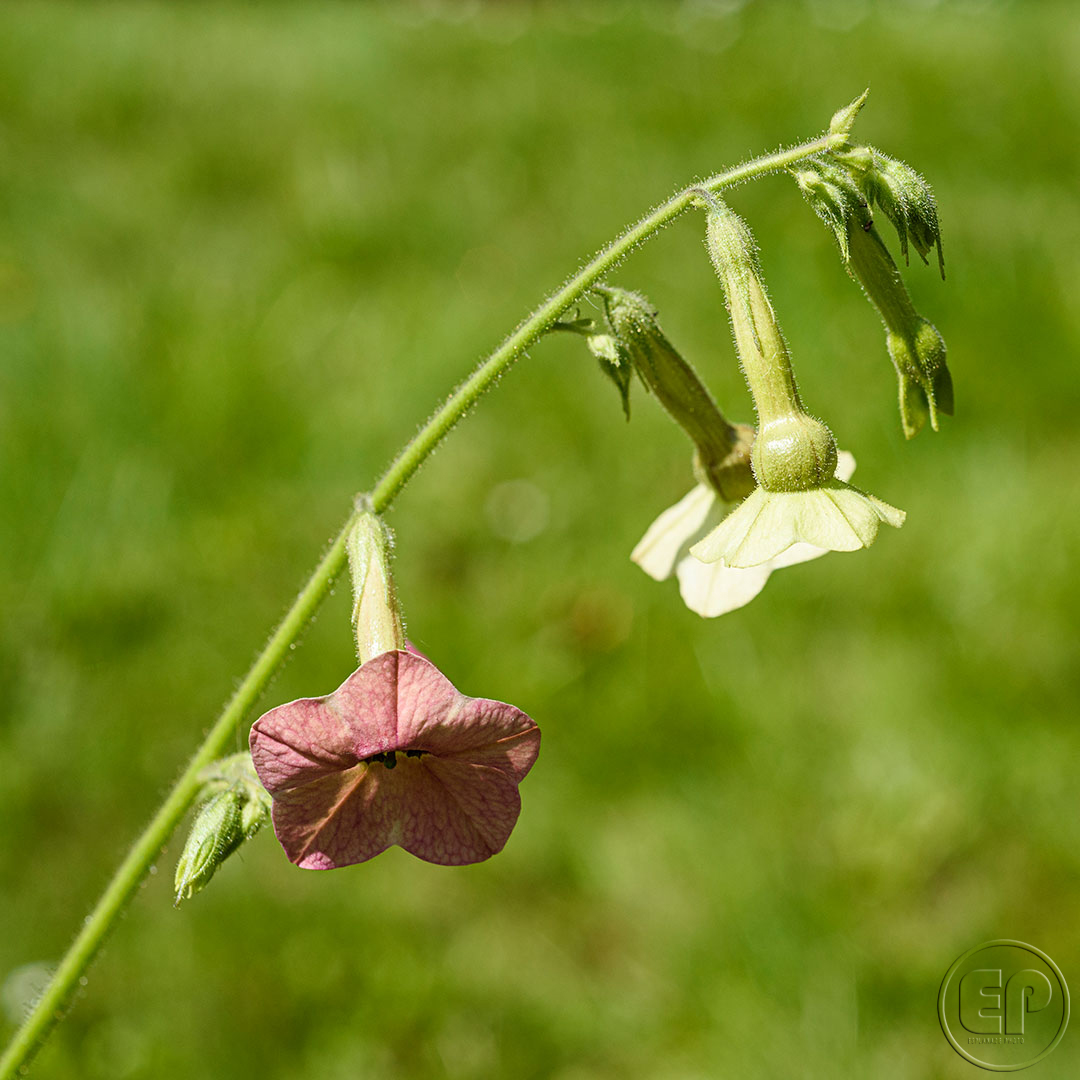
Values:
[(842, 518), (833, 524), (669, 536), (755, 532), (435, 717), (498, 736), (300, 742), (834, 517), (447, 812)]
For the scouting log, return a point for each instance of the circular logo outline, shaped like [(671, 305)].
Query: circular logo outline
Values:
[(943, 1020)]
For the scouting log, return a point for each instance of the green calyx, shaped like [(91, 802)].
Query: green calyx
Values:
[(732, 476), (376, 616), (926, 387)]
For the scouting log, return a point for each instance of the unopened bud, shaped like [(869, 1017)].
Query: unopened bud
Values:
[(614, 363), (902, 195), (844, 118), (916, 348), (926, 387), (835, 198), (234, 807), (215, 834), (376, 616)]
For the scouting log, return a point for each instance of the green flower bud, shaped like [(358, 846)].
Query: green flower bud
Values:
[(915, 346), (835, 198), (843, 119), (794, 453), (614, 363), (376, 616), (234, 807), (721, 450), (902, 195), (919, 359), (254, 814), (215, 834)]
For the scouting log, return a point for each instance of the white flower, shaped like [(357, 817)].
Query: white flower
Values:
[(709, 588)]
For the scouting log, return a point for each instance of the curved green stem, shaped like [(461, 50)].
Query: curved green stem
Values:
[(50, 1007)]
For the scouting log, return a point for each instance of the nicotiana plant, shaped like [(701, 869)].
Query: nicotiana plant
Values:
[(396, 754)]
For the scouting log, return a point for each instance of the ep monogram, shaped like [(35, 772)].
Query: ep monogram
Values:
[(1004, 1005)]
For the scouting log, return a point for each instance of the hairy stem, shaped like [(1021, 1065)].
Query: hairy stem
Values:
[(50, 1007)]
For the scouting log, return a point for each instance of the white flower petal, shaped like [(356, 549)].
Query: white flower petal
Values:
[(670, 534), (711, 589), (845, 465)]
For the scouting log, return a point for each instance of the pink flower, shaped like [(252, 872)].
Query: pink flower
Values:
[(395, 755)]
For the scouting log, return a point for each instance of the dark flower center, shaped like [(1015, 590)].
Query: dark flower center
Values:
[(389, 758)]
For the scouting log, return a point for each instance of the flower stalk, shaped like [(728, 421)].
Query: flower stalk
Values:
[(721, 449)]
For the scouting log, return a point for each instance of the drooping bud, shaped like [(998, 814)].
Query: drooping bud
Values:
[(915, 346), (721, 456), (233, 807), (614, 363), (902, 195), (376, 616), (215, 834), (792, 451), (834, 197)]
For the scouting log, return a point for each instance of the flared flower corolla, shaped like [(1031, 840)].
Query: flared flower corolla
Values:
[(772, 525), (711, 589), (396, 755)]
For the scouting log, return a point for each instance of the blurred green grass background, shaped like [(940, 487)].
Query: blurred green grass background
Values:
[(243, 252)]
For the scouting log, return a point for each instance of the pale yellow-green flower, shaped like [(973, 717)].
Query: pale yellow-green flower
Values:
[(711, 589), (768, 524), (798, 498)]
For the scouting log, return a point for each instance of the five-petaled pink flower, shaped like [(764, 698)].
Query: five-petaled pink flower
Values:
[(394, 756)]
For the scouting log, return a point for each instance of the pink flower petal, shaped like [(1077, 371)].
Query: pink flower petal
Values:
[(445, 812), (300, 742)]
